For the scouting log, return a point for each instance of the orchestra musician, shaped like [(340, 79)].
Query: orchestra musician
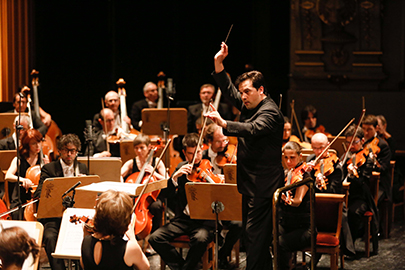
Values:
[(357, 170), (383, 133), (66, 166), (195, 111), (112, 101), (288, 137), (150, 91), (142, 147), (295, 221), (30, 155), (99, 146), (36, 122), (105, 248), (383, 158), (259, 169), (309, 117), (199, 231), (10, 143), (15, 247), (218, 143)]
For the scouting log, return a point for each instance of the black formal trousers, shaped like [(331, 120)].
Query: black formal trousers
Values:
[(51, 231), (200, 233), (258, 223)]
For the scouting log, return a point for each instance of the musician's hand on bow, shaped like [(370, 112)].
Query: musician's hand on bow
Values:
[(310, 166), (320, 181), (185, 169), (216, 117), (219, 58)]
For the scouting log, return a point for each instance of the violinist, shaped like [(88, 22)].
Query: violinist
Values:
[(142, 147), (111, 101), (36, 122), (66, 166), (309, 117), (30, 148), (199, 231), (295, 224), (10, 143), (357, 170), (288, 137), (150, 91), (327, 172), (99, 146), (106, 248), (383, 133), (382, 155)]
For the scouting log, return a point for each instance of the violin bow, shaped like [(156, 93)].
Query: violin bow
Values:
[(150, 176), (337, 136), (294, 116), (105, 126), (343, 161), (201, 135), (281, 99)]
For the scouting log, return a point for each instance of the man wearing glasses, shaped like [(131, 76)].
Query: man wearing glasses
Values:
[(66, 166)]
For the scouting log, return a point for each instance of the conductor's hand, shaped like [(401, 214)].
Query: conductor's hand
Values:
[(219, 58), (216, 117)]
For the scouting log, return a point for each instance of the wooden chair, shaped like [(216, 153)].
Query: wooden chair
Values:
[(328, 219), (386, 208), (368, 216), (208, 259)]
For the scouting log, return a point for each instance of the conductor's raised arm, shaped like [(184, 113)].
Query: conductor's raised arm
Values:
[(219, 58)]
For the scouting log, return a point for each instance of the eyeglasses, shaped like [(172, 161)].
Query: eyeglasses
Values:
[(222, 141), (354, 142), (66, 150)]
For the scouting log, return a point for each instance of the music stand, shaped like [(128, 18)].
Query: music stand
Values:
[(153, 121), (7, 121), (50, 204), (108, 168), (214, 202)]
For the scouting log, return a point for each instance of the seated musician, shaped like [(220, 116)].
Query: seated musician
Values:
[(288, 137), (382, 157), (327, 181), (10, 143), (15, 247), (295, 222), (309, 117), (199, 231), (357, 170), (99, 146), (150, 91), (130, 171), (112, 101), (195, 111), (218, 144), (66, 166), (36, 122), (105, 248), (30, 153)]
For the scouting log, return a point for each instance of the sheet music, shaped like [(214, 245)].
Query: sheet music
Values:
[(104, 186), (71, 235), (31, 229)]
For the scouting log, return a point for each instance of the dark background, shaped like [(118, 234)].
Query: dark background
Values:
[(81, 48)]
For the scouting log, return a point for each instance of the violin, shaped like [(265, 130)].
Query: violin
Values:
[(203, 173), (326, 167), (358, 159), (226, 157), (320, 129), (3, 209)]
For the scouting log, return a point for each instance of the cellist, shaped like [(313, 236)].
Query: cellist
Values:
[(199, 231), (30, 155), (142, 147)]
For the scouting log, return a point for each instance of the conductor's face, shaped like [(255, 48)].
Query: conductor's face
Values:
[(68, 153), (251, 96)]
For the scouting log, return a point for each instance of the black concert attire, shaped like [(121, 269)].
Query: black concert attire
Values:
[(13, 188), (360, 201), (36, 121), (112, 256), (100, 145), (259, 169), (234, 228), (195, 111), (383, 159), (96, 124), (52, 225), (156, 207), (294, 226), (136, 112), (199, 231), (7, 143)]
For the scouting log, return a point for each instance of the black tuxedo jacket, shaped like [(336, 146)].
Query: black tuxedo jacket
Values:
[(7, 144), (136, 112)]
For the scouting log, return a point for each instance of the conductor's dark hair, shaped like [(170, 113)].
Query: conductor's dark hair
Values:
[(255, 76)]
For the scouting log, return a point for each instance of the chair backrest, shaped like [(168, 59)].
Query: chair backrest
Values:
[(375, 185), (328, 213), (392, 166)]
